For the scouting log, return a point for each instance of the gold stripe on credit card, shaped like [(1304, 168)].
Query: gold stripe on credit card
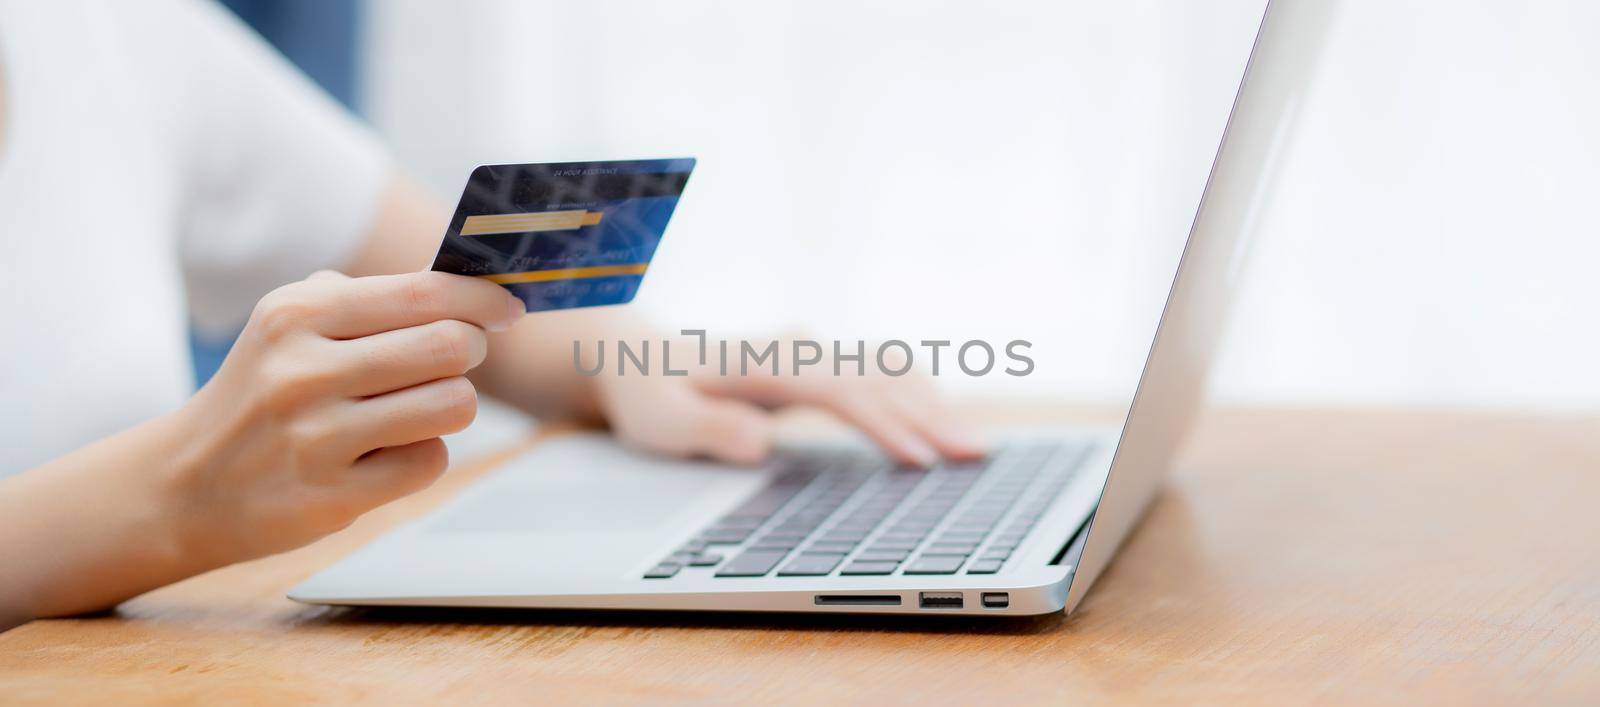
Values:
[(512, 278), (529, 223)]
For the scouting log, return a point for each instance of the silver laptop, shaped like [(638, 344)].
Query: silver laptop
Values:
[(581, 523)]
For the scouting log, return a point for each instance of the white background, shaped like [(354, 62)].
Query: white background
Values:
[(918, 169)]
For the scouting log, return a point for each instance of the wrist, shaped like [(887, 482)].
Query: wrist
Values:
[(182, 519), (158, 515)]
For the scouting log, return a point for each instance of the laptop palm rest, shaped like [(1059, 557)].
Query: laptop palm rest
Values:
[(577, 513)]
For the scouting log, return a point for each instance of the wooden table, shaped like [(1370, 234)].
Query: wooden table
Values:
[(1349, 557)]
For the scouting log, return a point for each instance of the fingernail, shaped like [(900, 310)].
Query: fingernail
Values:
[(515, 308)]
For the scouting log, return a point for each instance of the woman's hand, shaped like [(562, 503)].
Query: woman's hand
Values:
[(331, 402), (726, 417), (730, 417)]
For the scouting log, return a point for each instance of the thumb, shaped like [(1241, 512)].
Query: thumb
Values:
[(729, 430)]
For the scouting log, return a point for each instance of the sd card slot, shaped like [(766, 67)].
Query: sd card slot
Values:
[(858, 600)]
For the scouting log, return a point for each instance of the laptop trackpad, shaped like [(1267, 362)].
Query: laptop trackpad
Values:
[(551, 508), (586, 485)]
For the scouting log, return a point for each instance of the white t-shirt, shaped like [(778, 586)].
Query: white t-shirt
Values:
[(159, 162)]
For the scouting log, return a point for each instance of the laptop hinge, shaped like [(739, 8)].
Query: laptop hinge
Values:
[(1073, 548)]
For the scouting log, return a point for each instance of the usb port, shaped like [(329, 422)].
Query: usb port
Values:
[(941, 600), (996, 600)]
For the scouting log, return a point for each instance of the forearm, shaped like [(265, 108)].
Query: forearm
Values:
[(531, 367), (93, 528)]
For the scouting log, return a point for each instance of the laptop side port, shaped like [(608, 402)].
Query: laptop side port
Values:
[(996, 600), (857, 599), (941, 600)]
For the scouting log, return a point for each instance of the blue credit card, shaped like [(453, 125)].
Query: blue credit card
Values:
[(563, 235)]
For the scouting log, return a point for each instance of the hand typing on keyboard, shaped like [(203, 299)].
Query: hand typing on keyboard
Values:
[(730, 417)]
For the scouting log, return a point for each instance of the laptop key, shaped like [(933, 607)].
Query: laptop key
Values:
[(663, 570), (750, 522), (873, 555), (707, 559), (839, 547), (985, 567), (753, 563), (725, 536), (798, 530), (939, 564), (767, 502), (951, 548), (985, 526), (867, 567), (810, 564), (887, 544), (693, 546), (769, 544)]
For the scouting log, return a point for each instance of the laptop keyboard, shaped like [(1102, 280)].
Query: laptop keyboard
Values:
[(853, 514)]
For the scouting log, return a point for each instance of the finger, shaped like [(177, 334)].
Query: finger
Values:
[(368, 305), (393, 360), (433, 409), (669, 416), (394, 472), (327, 275), (933, 422), (864, 407), (872, 416), (730, 431)]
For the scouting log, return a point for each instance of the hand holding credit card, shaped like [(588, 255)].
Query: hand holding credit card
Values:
[(563, 235)]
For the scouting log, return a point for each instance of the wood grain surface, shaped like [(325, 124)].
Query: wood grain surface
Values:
[(1355, 557)]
